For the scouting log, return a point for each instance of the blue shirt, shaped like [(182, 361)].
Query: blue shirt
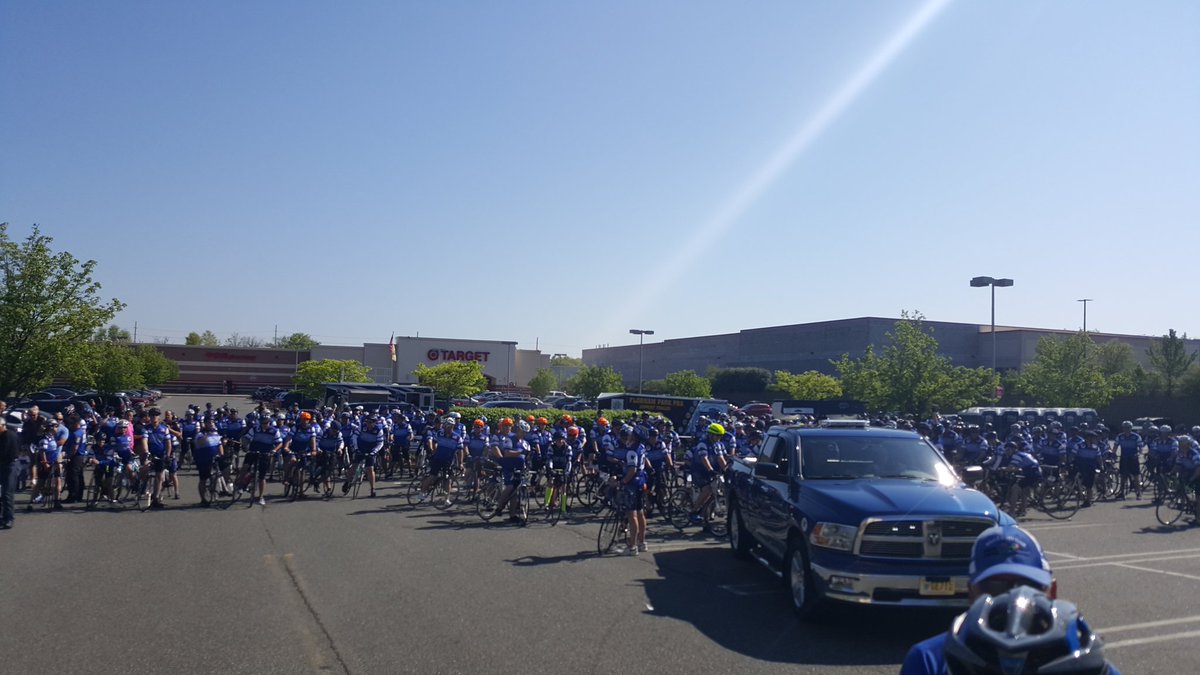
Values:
[(158, 439), (446, 445), (205, 445), (477, 443), (264, 440), (370, 441), (1129, 443), (302, 439), (77, 443)]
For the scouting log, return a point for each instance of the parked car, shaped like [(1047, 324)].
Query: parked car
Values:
[(756, 409), (859, 515), (519, 404)]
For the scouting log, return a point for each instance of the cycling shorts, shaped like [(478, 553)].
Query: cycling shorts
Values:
[(437, 465), (368, 459), (259, 463)]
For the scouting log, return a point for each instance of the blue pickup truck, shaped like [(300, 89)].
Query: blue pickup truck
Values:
[(857, 514)]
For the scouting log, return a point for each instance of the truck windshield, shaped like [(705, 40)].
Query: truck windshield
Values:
[(849, 457)]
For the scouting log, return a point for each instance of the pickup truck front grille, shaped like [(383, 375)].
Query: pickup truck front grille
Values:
[(920, 538)]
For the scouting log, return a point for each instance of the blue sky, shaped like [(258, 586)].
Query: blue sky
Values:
[(558, 173)]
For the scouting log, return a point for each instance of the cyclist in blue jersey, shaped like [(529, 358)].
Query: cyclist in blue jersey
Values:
[(207, 451), (299, 449), (706, 461), (660, 462), (1161, 458), (76, 453), (367, 444), (633, 483), (560, 456), (1087, 463), (401, 437), (329, 448), (1187, 464), (156, 444), (261, 445), (1129, 445), (189, 426), (46, 456), (512, 450), (477, 443), (445, 451)]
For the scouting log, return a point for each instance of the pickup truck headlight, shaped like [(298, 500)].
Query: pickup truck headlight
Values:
[(833, 535)]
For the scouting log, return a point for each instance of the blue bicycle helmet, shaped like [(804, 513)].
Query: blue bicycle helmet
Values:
[(1023, 632)]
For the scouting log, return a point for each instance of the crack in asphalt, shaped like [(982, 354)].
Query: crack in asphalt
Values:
[(293, 577)]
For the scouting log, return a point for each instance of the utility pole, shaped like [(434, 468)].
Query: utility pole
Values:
[(135, 332), (1085, 301)]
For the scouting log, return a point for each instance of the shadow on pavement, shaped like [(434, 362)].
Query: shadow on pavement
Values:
[(744, 609), (538, 560)]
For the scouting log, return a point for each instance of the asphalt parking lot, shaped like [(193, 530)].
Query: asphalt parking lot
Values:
[(372, 585)]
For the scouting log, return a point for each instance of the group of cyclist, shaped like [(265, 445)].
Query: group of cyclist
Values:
[(1031, 454)]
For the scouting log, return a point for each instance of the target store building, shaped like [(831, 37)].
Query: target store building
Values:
[(503, 364)]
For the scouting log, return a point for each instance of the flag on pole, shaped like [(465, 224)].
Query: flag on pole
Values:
[(392, 347)]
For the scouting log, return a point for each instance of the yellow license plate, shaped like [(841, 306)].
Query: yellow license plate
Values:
[(937, 586)]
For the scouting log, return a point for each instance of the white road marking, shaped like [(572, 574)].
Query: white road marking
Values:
[(1082, 564), (1151, 569), (1063, 555), (1149, 624), (1148, 640), (1139, 554), (1046, 528)]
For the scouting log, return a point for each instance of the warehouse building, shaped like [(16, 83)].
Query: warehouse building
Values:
[(811, 346), (504, 365)]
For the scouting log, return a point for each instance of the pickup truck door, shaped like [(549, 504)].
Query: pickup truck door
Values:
[(753, 502), (775, 492)]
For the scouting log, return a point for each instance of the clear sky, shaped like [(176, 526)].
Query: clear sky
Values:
[(561, 172)]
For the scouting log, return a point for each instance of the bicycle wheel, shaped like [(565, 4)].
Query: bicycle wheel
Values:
[(485, 502), (589, 490), (1061, 501), (717, 522), (681, 508), (445, 491), (415, 494), (1158, 488), (1172, 507), (299, 481), (240, 487), (556, 505), (356, 480), (610, 531)]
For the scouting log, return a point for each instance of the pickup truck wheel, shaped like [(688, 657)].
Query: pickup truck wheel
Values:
[(799, 579), (740, 540)]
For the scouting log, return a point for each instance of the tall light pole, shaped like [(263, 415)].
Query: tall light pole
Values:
[(641, 351), (1085, 301), (979, 282)]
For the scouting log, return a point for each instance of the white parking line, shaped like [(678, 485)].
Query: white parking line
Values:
[(1048, 527), (1150, 569), (1139, 554), (1150, 624), (1082, 564), (1148, 640), (1068, 556)]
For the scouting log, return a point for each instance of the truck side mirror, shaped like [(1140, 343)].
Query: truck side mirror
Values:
[(770, 470), (972, 474)]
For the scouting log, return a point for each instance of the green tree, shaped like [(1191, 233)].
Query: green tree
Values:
[(1114, 358), (1170, 358), (739, 382), (297, 341), (453, 379), (1064, 374), (115, 368), (235, 340), (562, 360), (154, 367), (205, 339), (809, 386), (112, 335), (687, 383), (910, 376), (543, 382), (591, 381), (312, 376), (49, 306)]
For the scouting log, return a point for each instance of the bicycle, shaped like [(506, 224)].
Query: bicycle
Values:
[(354, 479), (447, 485), (488, 493), (614, 526), (713, 513), (556, 497), (1178, 500)]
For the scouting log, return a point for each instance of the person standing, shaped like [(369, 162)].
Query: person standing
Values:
[(9, 451)]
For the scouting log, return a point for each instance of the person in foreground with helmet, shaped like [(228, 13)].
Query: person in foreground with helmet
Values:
[(1015, 623)]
